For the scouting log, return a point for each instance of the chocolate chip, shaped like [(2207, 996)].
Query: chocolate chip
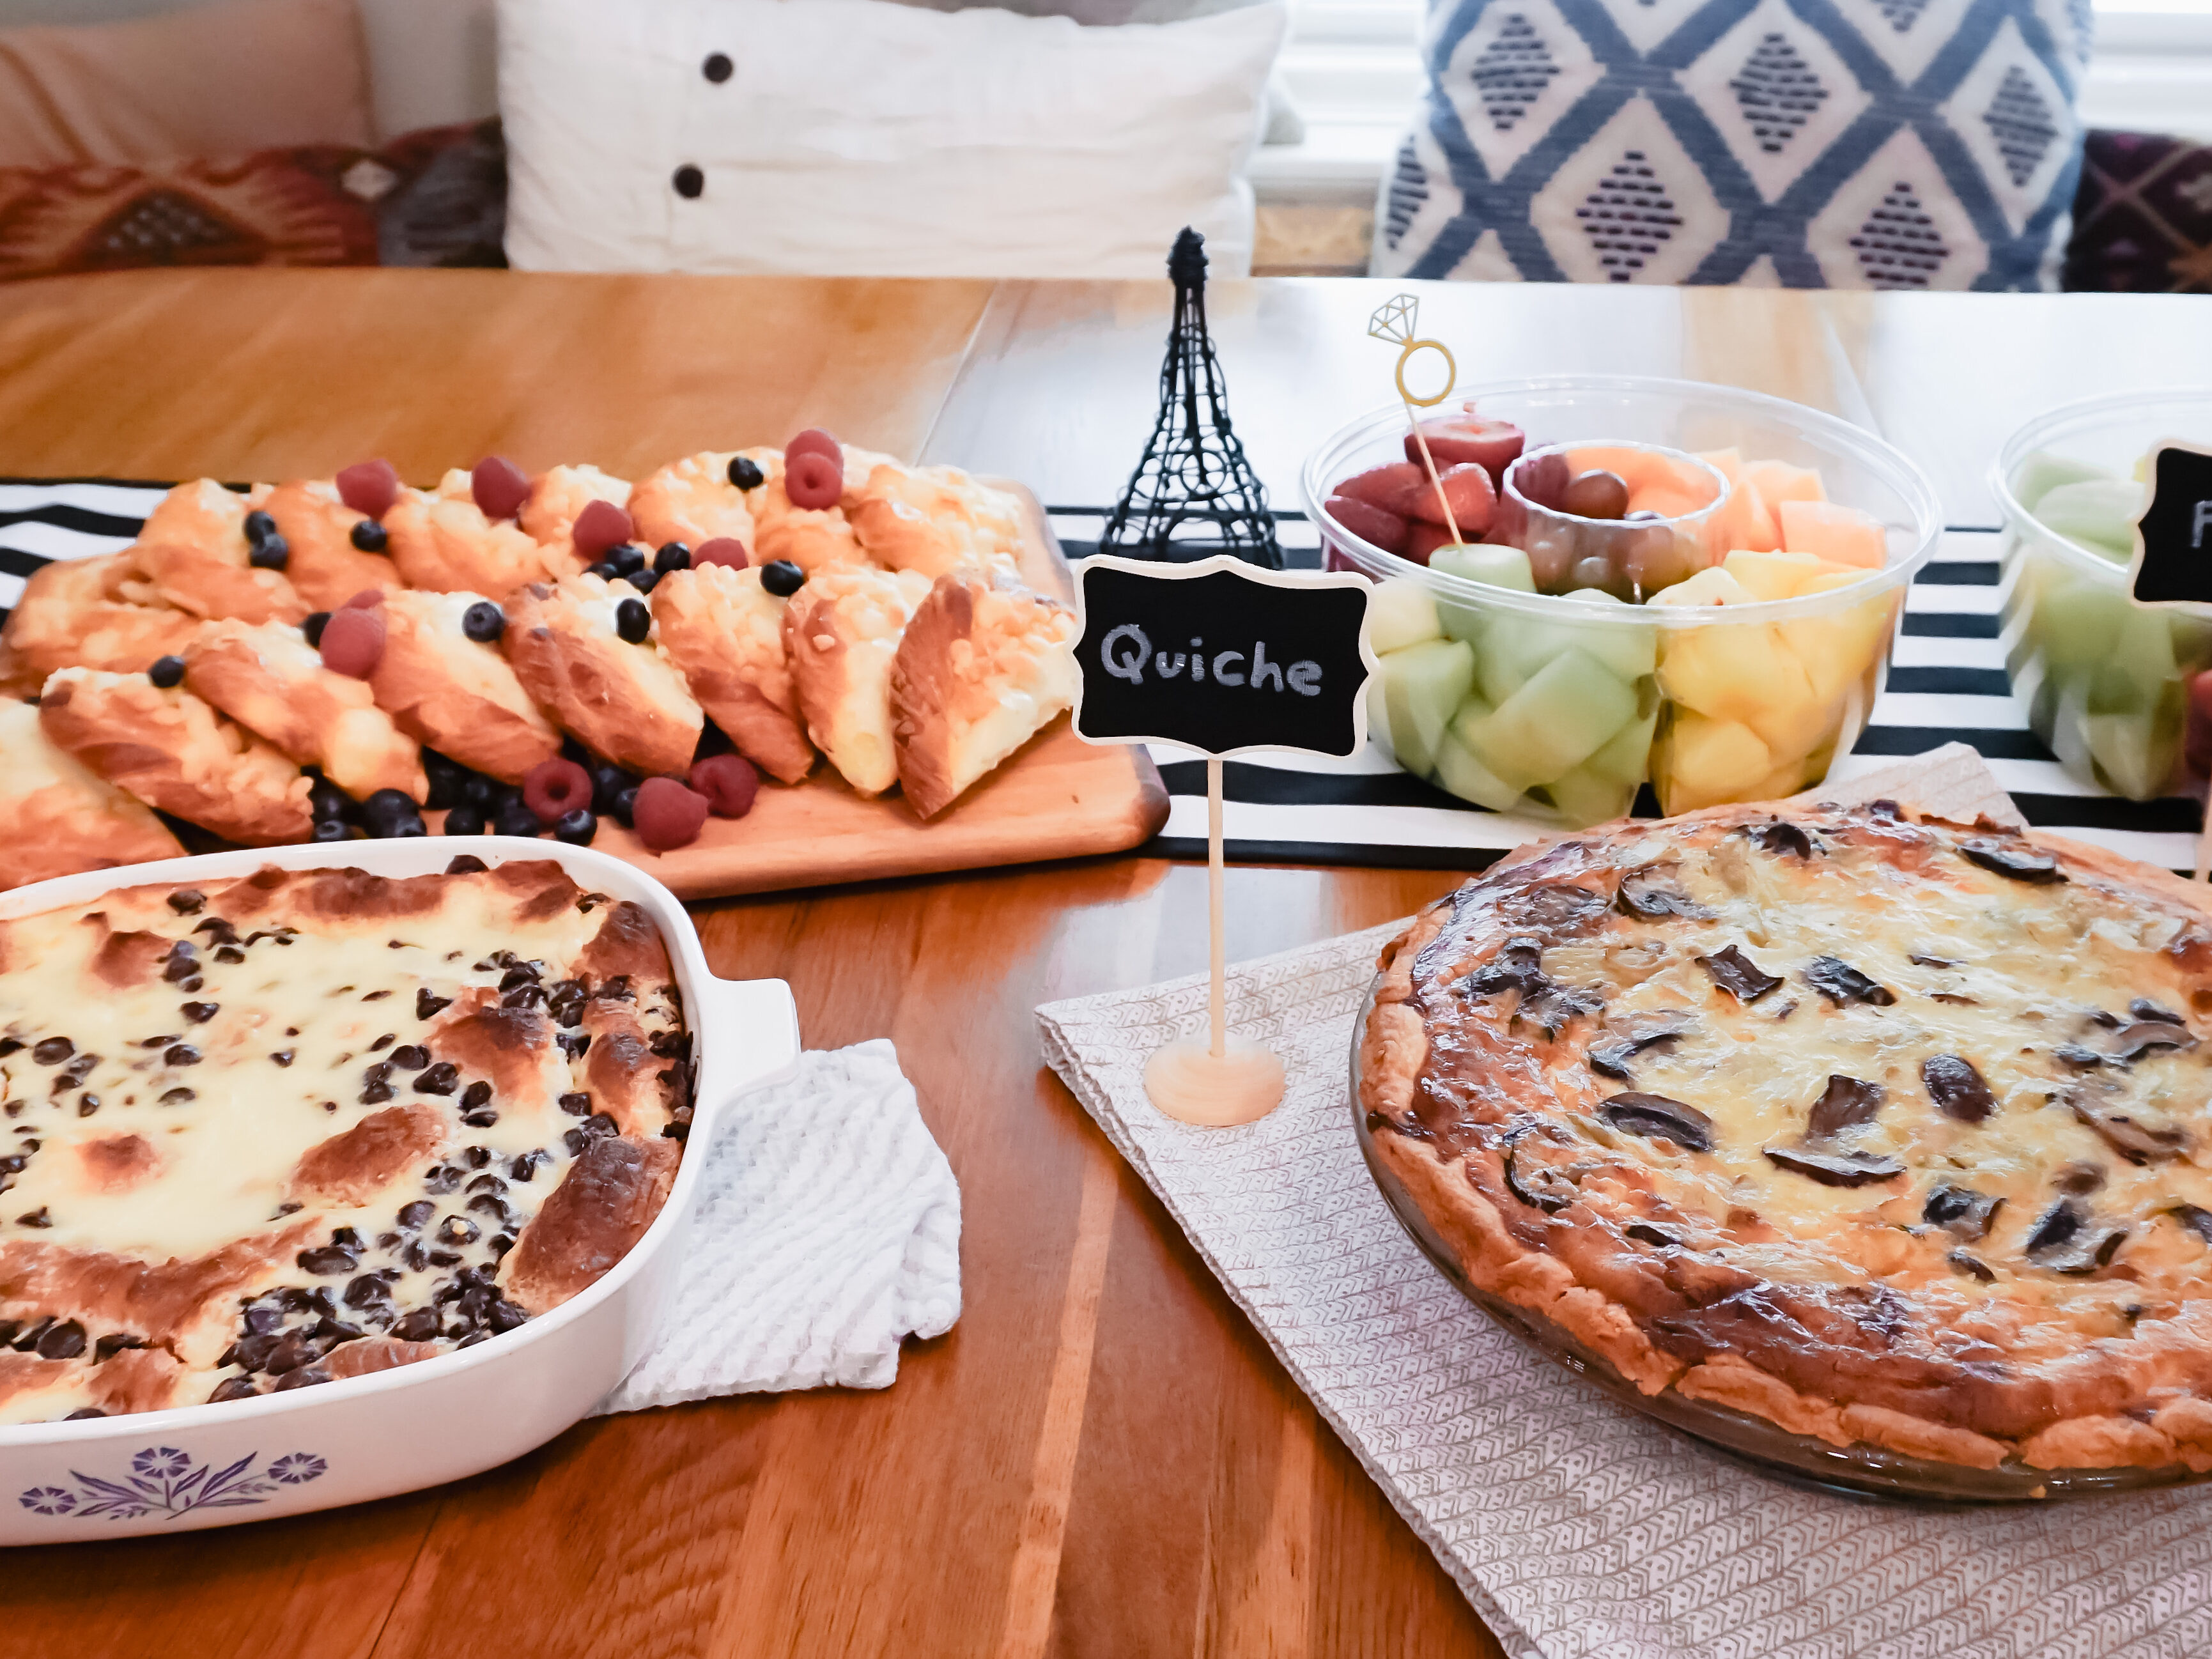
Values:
[(178, 1096), (161, 1041), (577, 1105), (1972, 1266), (482, 1118), (523, 973), (284, 1057), (1643, 895), (476, 1094), (187, 901), (1957, 1088), (9, 1046), (53, 1051), (468, 864), (2014, 859), (229, 953), (62, 1342), (475, 1156), (1842, 984), (114, 1344), (1738, 974), (28, 1340), (306, 1377), (420, 1325), (2055, 1227), (414, 1215), (89, 1103), (328, 1259), (1835, 1168), (411, 1057), (232, 1387), (527, 996), (382, 1043), (525, 1166), (38, 1218), (426, 1004), (1961, 1211), (487, 1183), (1644, 1232), (458, 1229), (180, 1054), (439, 1079), (572, 1044), (184, 961), (443, 1179), (504, 1316), (1846, 1102), (1658, 1118)]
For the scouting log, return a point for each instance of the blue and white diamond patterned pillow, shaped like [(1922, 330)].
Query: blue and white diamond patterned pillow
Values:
[(1805, 144)]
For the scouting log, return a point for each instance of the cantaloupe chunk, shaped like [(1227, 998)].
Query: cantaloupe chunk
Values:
[(1827, 530), (1744, 521), (1775, 576), (1671, 501), (1779, 482), (1702, 762)]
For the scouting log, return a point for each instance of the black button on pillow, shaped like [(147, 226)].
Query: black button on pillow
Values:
[(689, 181), (716, 68)]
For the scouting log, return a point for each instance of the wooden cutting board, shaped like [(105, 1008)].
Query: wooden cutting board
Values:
[(1058, 798)]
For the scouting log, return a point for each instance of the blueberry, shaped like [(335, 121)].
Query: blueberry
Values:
[(577, 827), (370, 537), (608, 781), (483, 622), (390, 813), (633, 621), (782, 578), (167, 671), (329, 801), (673, 555), (624, 557), (642, 579), (746, 474), (446, 779), (313, 624), (332, 829), (516, 819), (259, 528), (465, 821), (271, 553), (624, 810), (479, 792)]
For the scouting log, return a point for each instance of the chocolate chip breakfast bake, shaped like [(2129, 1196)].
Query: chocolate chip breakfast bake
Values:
[(1889, 1132), (271, 1131)]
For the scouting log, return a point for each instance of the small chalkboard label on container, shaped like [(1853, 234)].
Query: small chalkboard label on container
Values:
[(2173, 534), (1221, 657)]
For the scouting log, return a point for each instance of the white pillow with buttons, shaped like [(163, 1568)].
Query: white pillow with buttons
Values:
[(855, 137)]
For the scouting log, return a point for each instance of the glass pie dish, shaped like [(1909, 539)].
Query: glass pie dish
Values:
[(1859, 1470), (2104, 679), (1559, 705)]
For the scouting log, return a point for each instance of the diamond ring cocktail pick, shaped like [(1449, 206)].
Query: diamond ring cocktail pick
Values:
[(1395, 320)]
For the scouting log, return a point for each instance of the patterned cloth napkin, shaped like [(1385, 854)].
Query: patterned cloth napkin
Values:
[(1574, 1527), (827, 1229)]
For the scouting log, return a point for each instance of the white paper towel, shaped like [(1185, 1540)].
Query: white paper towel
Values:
[(826, 1229)]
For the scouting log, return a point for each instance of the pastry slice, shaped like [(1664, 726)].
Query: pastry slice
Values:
[(558, 496), (936, 520), (174, 752), (57, 817), (459, 697), (88, 613), (193, 550), (204, 514), (813, 538), (270, 680), (980, 670), (326, 567), (624, 701), (725, 631), (440, 540), (693, 501), (841, 632)]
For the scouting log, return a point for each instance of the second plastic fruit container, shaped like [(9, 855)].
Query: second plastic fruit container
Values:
[(1560, 705)]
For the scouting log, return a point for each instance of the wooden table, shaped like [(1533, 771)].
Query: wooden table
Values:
[(1102, 1457)]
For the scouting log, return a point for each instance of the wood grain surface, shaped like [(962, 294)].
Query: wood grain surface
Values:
[(1101, 1458)]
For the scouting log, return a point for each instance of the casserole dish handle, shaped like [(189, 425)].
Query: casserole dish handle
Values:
[(748, 1037)]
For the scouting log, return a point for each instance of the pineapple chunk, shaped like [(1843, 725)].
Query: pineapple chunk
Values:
[(1702, 762)]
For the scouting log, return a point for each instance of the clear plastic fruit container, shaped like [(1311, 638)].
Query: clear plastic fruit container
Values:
[(2105, 680), (1559, 706)]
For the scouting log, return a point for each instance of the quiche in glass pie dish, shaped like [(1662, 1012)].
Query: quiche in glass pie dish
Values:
[(1874, 1146)]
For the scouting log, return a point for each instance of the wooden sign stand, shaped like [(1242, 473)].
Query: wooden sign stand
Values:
[(1225, 658)]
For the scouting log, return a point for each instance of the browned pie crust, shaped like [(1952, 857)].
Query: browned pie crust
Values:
[(1884, 1130)]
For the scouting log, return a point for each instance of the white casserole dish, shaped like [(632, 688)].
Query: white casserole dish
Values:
[(357, 1438)]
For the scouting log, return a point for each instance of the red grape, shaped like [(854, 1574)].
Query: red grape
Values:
[(1396, 488), (721, 550), (1543, 480), (667, 815), (814, 441), (500, 487), (1473, 501), (553, 788), (813, 480), (367, 600), (729, 783), (599, 527), (1425, 539), (353, 641), (1596, 493), (1457, 439), (1367, 521), (369, 487)]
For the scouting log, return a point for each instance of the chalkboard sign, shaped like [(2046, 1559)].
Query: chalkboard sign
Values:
[(2173, 536), (1221, 657)]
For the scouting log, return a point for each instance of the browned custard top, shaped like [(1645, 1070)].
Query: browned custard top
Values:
[(276, 1130)]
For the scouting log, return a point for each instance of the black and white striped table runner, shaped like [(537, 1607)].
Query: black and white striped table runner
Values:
[(1947, 684)]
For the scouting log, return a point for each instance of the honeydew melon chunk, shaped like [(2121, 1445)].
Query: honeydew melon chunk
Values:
[(1583, 798), (1626, 757), (1514, 649), (1841, 533), (2043, 472), (1702, 762), (1460, 772), (1423, 686), (2097, 512), (1557, 720), (2142, 665), (2133, 753), (1777, 482), (1630, 649), (1774, 575), (1400, 613), (1493, 565), (2074, 623)]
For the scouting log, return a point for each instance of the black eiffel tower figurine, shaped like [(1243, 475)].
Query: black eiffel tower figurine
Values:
[(1194, 494)]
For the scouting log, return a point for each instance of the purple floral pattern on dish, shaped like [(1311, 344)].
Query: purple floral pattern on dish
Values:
[(165, 1481)]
